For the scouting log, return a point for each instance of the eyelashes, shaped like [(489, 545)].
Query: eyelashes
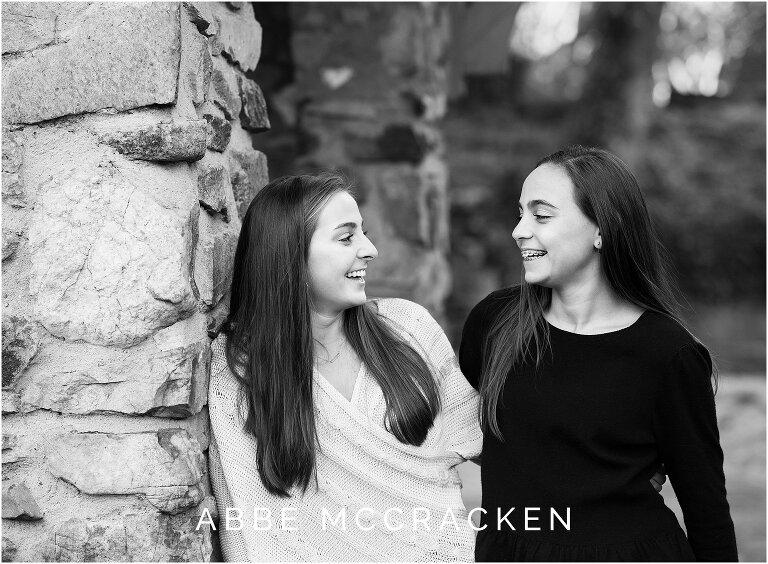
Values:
[(348, 237)]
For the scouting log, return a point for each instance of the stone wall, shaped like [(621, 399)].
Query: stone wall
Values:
[(126, 166), (370, 87)]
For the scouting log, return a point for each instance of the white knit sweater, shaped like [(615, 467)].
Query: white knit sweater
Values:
[(359, 465)]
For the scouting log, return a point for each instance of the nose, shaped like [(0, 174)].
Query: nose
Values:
[(367, 250), (521, 231)]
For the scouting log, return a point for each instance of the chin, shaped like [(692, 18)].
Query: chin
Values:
[(532, 278)]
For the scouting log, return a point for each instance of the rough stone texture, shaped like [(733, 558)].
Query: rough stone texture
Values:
[(212, 184), (165, 468), (110, 258), (13, 191), (143, 41), (197, 65), (19, 503), (224, 90), (180, 141), (134, 537), (248, 175), (9, 441), (11, 401), (165, 377), (201, 14), (254, 114), (27, 26), (219, 132), (9, 550), (172, 386), (213, 260), (98, 273), (11, 241), (239, 35), (14, 450), (20, 344), (217, 317)]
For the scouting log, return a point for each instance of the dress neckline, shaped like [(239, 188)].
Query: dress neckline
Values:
[(632, 325)]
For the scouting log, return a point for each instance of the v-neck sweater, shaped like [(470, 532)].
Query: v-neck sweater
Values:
[(363, 471), (585, 432)]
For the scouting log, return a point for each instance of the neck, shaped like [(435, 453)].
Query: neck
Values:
[(327, 328), (589, 303)]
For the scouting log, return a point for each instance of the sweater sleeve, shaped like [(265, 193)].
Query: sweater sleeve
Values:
[(232, 458), (689, 443), (232, 542), (460, 402)]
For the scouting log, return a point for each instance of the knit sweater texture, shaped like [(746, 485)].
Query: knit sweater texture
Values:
[(363, 472)]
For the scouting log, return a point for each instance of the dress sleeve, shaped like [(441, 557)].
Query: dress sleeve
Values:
[(689, 443), (460, 401), (470, 349)]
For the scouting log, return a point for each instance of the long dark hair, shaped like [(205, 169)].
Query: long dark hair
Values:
[(632, 258), (269, 337)]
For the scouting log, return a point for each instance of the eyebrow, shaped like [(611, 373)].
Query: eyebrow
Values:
[(534, 203), (348, 225)]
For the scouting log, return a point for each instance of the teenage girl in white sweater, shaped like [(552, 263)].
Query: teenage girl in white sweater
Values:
[(337, 422)]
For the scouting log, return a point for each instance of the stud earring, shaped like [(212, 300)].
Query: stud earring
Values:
[(598, 244)]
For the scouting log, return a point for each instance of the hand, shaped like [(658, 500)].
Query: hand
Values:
[(658, 479)]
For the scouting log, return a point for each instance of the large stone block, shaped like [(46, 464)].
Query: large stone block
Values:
[(121, 56), (131, 537), (196, 64), (19, 503), (224, 89), (178, 141), (169, 382), (110, 265), (238, 34), (27, 26), (213, 261), (248, 174), (166, 468), (254, 115), (20, 344)]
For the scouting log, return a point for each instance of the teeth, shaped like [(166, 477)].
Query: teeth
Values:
[(527, 254), (356, 274)]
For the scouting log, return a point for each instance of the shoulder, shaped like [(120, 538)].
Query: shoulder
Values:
[(403, 312), (679, 355), (487, 309), (666, 337)]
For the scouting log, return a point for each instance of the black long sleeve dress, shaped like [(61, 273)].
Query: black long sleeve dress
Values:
[(586, 433)]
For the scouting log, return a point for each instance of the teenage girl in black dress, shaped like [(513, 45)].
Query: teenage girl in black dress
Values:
[(588, 381)]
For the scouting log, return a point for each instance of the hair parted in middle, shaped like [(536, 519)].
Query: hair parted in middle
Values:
[(270, 345), (631, 256)]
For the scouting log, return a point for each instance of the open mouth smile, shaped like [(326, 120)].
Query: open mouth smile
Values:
[(358, 275)]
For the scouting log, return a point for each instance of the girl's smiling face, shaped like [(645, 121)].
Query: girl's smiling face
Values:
[(556, 239), (339, 253)]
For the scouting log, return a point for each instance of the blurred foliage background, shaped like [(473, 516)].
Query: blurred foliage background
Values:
[(676, 89)]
